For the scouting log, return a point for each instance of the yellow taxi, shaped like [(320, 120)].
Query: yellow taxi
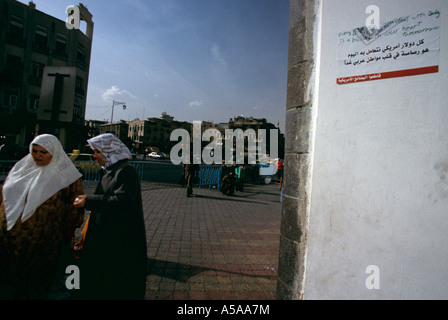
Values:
[(85, 162)]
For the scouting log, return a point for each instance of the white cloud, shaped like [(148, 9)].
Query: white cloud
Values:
[(115, 93), (196, 103)]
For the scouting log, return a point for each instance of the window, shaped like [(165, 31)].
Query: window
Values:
[(34, 103), (37, 73), (77, 110), (78, 86), (10, 102), (78, 82), (41, 38), (16, 31), (61, 45), (81, 57), (38, 70)]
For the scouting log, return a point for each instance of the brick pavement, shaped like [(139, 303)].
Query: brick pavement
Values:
[(211, 246)]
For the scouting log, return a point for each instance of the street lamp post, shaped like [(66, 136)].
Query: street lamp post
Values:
[(112, 115)]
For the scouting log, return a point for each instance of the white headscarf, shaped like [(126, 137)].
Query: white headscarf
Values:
[(111, 147), (29, 185)]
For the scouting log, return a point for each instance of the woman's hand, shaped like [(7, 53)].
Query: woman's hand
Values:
[(80, 201)]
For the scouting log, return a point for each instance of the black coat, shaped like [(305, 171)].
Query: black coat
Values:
[(113, 260)]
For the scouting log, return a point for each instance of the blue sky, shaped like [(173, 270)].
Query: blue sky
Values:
[(205, 60)]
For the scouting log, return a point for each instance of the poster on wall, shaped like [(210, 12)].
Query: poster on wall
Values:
[(406, 46)]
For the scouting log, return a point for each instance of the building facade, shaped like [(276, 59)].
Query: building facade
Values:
[(144, 136), (365, 192), (44, 72), (256, 124), (119, 129), (159, 132), (154, 134)]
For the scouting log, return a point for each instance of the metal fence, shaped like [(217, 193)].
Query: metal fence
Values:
[(210, 176), (162, 172)]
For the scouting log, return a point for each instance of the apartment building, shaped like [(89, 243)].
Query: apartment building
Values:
[(44, 72), (147, 134)]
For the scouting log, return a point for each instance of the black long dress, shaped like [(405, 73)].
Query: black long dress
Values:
[(113, 260)]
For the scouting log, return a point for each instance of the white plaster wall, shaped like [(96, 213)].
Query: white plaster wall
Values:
[(380, 188)]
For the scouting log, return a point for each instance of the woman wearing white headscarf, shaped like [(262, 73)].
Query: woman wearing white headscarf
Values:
[(113, 257), (36, 218)]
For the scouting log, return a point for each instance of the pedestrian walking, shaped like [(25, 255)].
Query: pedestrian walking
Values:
[(280, 165), (190, 171), (280, 169), (113, 256), (240, 172), (37, 217)]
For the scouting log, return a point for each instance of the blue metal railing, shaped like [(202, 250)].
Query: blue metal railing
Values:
[(90, 171), (210, 176), (163, 172), (159, 172)]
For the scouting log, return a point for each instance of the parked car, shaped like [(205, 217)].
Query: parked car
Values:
[(156, 155), (85, 162)]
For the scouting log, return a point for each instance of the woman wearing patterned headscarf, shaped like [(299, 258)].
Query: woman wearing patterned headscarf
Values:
[(113, 257), (36, 218)]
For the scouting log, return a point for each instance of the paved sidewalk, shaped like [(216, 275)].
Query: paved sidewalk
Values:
[(211, 246)]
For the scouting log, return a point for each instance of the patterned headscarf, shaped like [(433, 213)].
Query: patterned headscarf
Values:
[(29, 185), (111, 147)]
